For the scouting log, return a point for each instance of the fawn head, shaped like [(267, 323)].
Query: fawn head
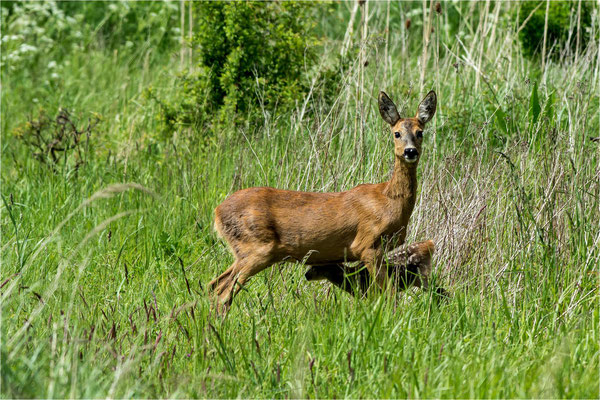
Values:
[(408, 132)]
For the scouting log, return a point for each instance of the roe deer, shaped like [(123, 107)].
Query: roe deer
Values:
[(406, 267), (263, 225)]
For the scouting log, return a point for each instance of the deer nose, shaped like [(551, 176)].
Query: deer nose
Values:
[(411, 153)]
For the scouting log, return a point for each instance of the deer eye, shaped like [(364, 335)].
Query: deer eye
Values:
[(420, 134), (397, 135)]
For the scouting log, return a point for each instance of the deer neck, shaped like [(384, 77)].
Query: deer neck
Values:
[(403, 185)]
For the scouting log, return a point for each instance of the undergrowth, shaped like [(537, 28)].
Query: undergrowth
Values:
[(105, 265)]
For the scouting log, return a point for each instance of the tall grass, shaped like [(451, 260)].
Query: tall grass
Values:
[(104, 269)]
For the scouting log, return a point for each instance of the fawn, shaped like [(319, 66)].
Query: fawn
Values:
[(406, 267), (263, 225)]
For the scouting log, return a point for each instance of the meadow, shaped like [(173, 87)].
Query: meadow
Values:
[(106, 251)]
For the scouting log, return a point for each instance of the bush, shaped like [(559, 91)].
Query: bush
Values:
[(251, 56), (51, 29), (57, 142), (561, 17), (129, 24)]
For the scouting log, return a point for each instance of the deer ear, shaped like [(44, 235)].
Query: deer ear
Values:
[(427, 107), (387, 109)]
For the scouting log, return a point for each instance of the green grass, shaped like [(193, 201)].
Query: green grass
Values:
[(96, 262)]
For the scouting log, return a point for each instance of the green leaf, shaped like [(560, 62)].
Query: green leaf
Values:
[(534, 105), (549, 106), (501, 120)]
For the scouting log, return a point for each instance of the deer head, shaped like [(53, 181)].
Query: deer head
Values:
[(407, 132)]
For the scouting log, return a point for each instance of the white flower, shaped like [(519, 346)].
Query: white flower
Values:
[(52, 64), (27, 48), (45, 39), (54, 75)]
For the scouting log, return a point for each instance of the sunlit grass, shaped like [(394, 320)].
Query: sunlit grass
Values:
[(104, 269)]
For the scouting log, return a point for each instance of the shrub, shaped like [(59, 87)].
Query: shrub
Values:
[(119, 24), (32, 30), (57, 142), (251, 56), (561, 17)]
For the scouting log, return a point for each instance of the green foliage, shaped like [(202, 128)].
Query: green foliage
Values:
[(51, 30), (252, 57), (562, 16), (534, 104), (103, 278), (123, 23), (253, 52), (501, 121)]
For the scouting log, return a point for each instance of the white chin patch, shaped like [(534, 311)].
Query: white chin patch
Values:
[(411, 160)]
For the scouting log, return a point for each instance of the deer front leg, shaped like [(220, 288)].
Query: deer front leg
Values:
[(373, 259)]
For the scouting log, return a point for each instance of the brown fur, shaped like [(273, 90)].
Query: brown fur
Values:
[(263, 225), (406, 267)]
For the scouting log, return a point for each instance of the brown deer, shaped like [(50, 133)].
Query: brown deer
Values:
[(406, 267), (263, 225)]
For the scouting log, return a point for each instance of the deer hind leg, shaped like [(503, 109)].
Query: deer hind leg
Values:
[(221, 279), (219, 285), (231, 281)]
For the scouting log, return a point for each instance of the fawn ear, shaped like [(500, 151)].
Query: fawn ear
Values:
[(387, 109), (427, 107)]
